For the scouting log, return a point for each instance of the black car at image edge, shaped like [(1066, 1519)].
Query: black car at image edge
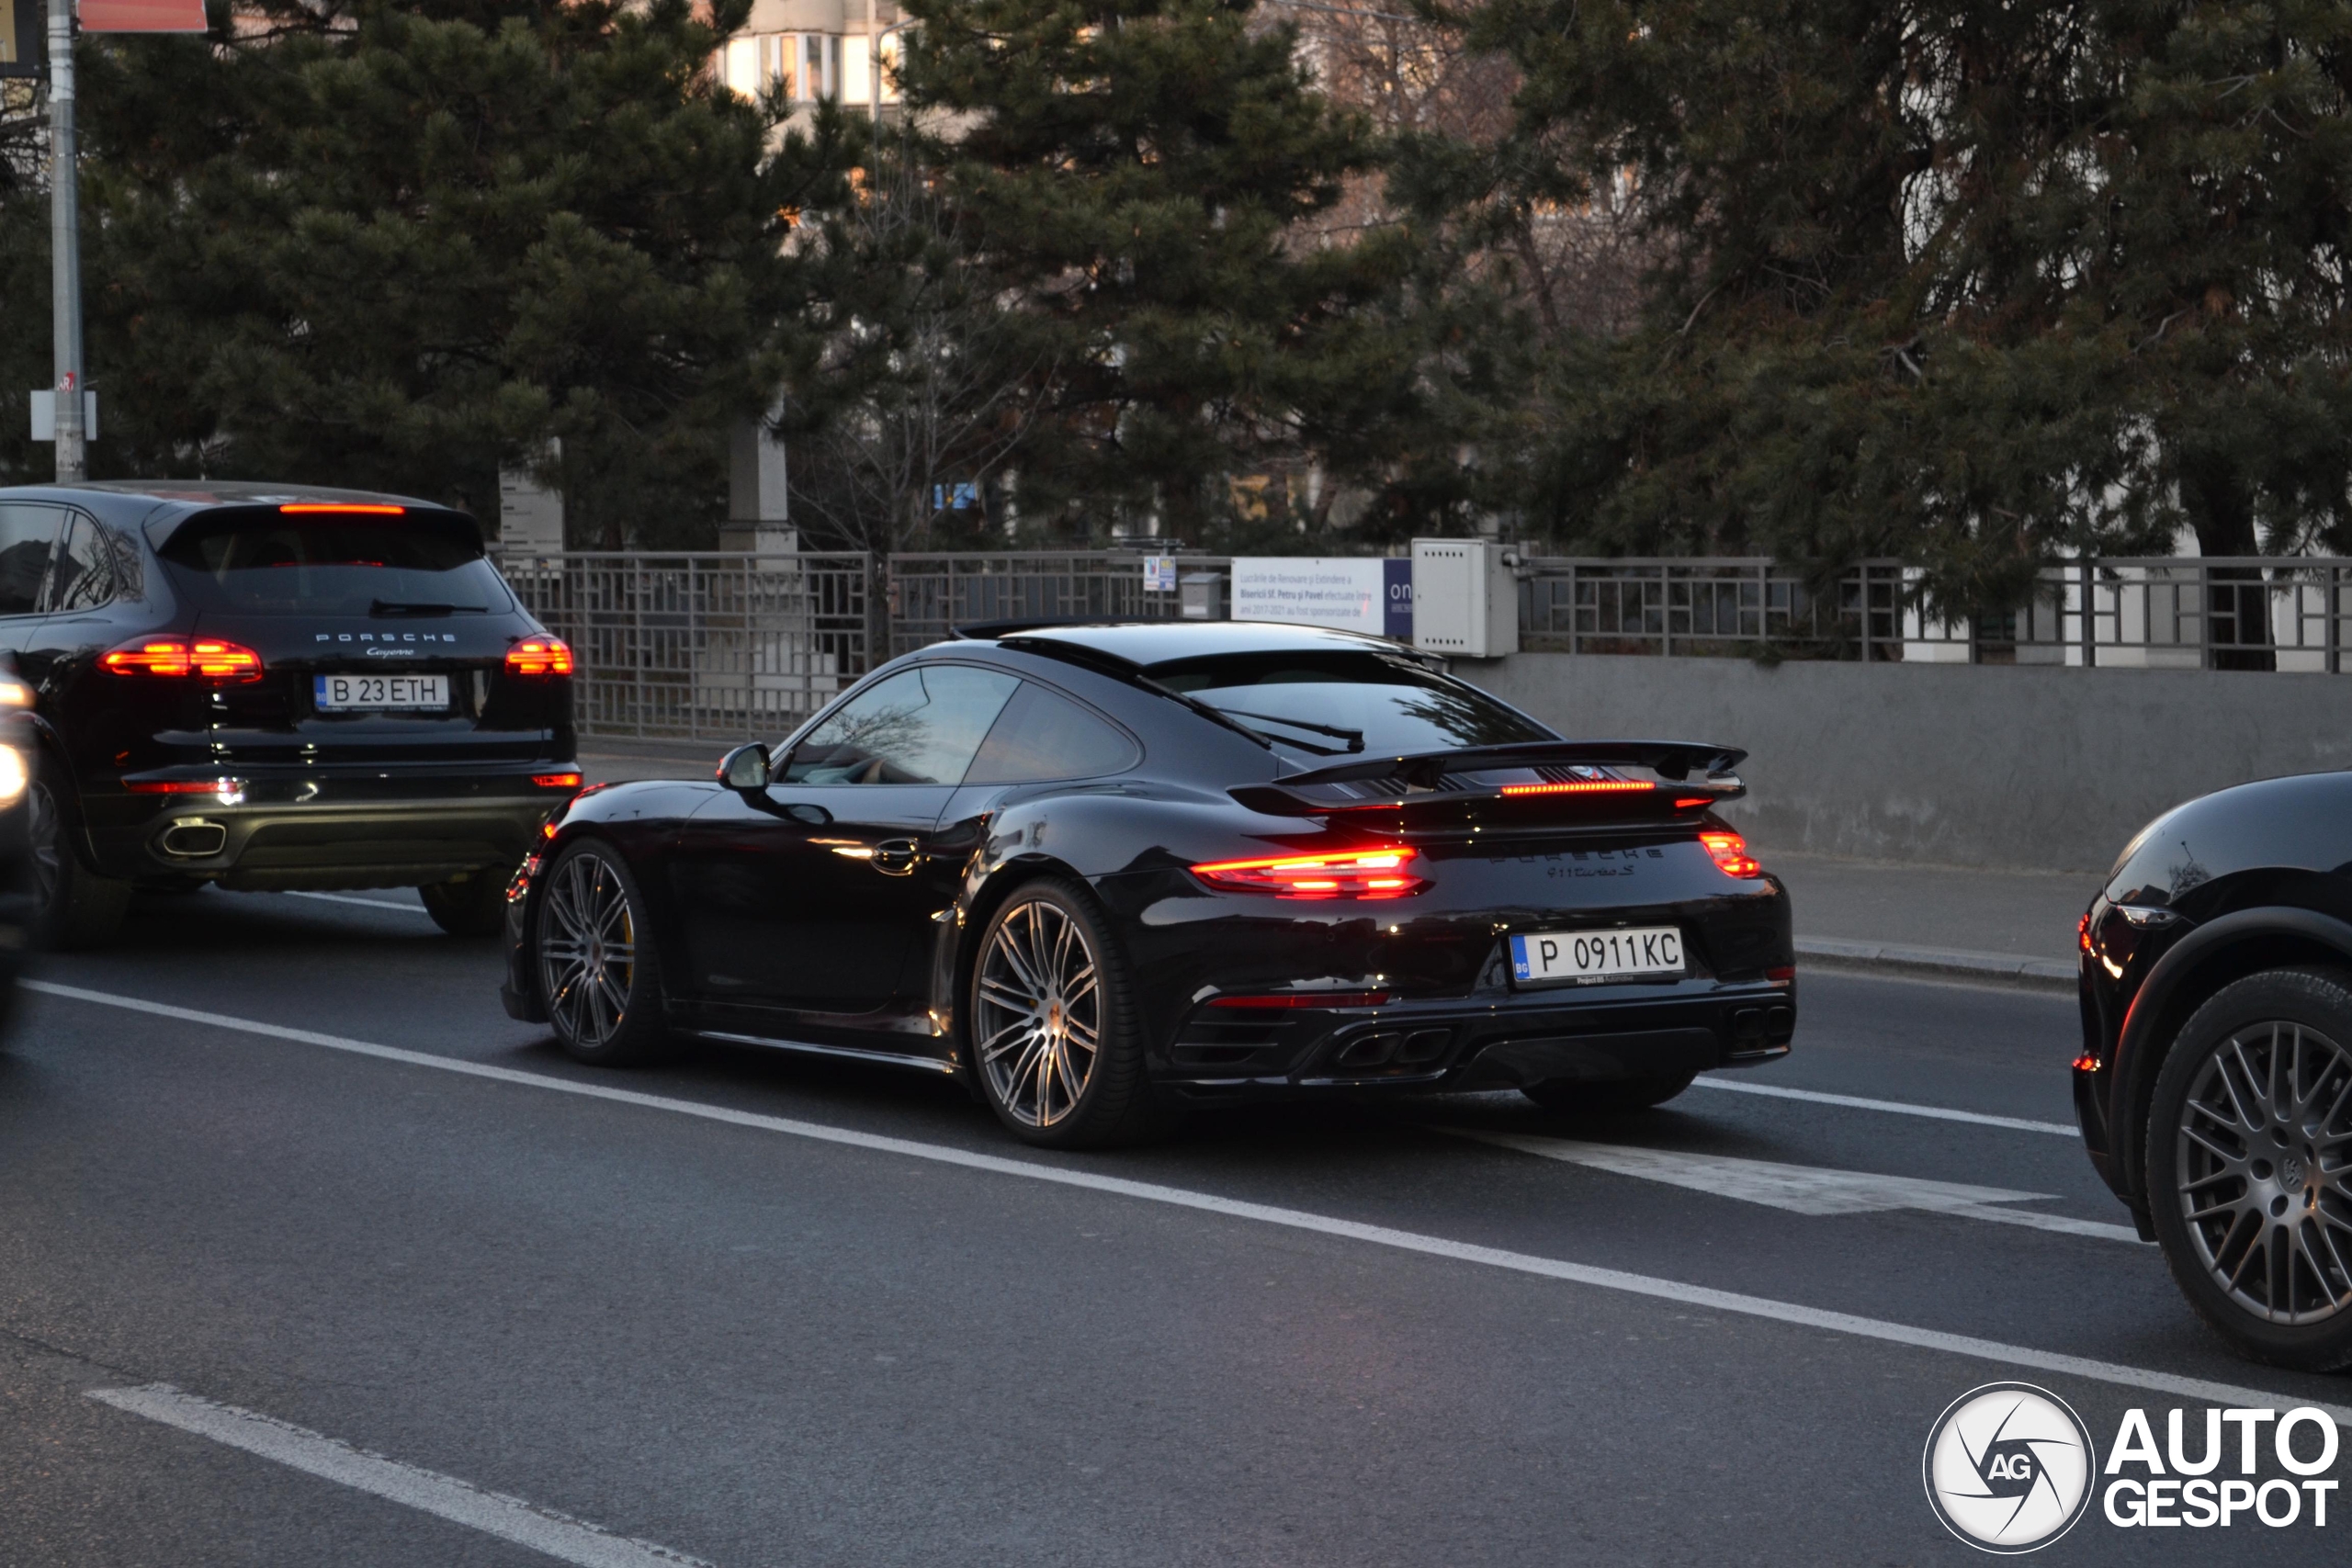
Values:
[(1103, 873), (273, 687), (2214, 1085)]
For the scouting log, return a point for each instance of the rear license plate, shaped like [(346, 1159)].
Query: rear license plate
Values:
[(379, 692), (1644, 952)]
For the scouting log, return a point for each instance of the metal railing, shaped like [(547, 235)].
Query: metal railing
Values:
[(728, 646), (2235, 613), (702, 647), (932, 593)]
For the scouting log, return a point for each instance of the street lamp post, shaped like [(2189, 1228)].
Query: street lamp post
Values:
[(65, 246)]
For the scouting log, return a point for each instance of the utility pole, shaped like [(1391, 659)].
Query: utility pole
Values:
[(65, 245)]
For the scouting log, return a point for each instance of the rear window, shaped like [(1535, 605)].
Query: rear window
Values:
[(1340, 703), (266, 561)]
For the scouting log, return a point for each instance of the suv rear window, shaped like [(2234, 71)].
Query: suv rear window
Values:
[(1342, 703), (334, 563)]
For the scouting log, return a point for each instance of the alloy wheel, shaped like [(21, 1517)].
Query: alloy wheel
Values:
[(1039, 1019), (587, 950), (2265, 1171)]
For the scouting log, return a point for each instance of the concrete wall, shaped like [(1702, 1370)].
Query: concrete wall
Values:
[(1982, 765)]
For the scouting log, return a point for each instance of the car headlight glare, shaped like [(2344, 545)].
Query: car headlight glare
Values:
[(14, 773)]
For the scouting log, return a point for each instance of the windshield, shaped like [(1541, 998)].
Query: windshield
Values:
[(334, 563), (1343, 703)]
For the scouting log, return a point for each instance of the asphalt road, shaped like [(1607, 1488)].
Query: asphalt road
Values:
[(763, 1309)]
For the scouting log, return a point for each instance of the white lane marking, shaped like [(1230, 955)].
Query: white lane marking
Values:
[(1902, 1108), (370, 903), (1263, 1213), (509, 1519), (1799, 1188)]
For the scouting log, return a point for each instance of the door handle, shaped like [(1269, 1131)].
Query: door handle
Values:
[(895, 857)]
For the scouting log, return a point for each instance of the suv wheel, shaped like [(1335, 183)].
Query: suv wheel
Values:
[(471, 906), (76, 909), (597, 971), (1056, 1047), (2249, 1161)]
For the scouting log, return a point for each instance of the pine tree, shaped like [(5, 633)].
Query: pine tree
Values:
[(1138, 178), (399, 244), (1966, 283)]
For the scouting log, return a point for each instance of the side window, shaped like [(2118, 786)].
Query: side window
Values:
[(1041, 736), (920, 726), (28, 539), (84, 577)]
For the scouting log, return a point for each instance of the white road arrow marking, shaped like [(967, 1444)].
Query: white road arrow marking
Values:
[(1802, 1189)]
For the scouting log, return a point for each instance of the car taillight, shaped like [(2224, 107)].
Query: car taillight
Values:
[(205, 658), (556, 780), (1381, 872), (229, 792), (539, 656), (1730, 852)]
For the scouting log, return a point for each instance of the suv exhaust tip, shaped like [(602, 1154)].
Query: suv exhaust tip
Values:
[(194, 839)]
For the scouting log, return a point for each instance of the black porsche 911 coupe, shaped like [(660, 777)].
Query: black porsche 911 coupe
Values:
[(1104, 873), (2214, 1085)]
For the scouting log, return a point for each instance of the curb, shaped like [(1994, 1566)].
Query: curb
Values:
[(1943, 962)]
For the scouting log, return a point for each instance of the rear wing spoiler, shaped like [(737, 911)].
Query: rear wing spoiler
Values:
[(1668, 758), (1374, 782)]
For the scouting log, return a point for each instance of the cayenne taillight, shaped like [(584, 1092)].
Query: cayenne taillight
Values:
[(1730, 854), (1383, 872), (555, 781), (180, 658), (539, 657)]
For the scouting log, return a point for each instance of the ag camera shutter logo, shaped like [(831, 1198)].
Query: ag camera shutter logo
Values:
[(2008, 1468)]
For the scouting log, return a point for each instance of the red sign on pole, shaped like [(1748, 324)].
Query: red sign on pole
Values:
[(142, 15)]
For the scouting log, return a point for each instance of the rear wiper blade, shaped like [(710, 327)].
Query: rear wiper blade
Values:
[(411, 607), (1355, 738)]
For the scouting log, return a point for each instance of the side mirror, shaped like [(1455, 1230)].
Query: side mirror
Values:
[(744, 768)]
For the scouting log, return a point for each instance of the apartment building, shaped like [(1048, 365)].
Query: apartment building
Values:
[(844, 49)]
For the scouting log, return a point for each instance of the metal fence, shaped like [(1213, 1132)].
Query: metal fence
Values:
[(2237, 613), (931, 595), (702, 647), (725, 646)]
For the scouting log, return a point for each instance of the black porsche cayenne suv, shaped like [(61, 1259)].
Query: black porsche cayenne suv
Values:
[(275, 689), (1100, 873), (2214, 1083)]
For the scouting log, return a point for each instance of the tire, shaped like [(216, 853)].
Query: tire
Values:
[(471, 907), (1049, 1002), (2248, 1142), (593, 957), (1573, 1097), (75, 907)]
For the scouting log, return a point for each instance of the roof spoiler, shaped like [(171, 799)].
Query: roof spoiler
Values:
[(1668, 758)]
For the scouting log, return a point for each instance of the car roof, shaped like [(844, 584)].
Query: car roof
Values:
[(243, 492), (1148, 643), (170, 501)]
